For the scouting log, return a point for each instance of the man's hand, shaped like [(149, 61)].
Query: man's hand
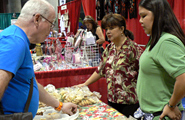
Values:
[(173, 113), (69, 108)]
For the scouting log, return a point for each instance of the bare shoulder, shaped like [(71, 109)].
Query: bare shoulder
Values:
[(99, 28)]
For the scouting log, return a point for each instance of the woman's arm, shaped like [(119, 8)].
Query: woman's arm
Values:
[(172, 110), (93, 78), (179, 90), (99, 32)]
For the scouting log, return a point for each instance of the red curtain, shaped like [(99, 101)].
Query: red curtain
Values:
[(135, 26), (179, 11), (89, 7), (132, 24), (73, 8)]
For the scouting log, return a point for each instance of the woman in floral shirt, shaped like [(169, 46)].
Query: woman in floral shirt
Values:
[(119, 65)]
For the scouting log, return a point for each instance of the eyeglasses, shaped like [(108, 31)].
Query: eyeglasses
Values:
[(52, 24)]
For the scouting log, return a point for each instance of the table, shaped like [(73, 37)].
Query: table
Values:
[(98, 111), (70, 77), (63, 43), (61, 39)]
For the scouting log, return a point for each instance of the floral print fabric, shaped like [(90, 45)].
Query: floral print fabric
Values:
[(98, 111), (121, 70)]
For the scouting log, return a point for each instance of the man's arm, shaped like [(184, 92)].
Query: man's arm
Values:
[(5, 78), (49, 100), (46, 98)]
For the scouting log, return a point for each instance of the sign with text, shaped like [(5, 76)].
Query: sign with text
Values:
[(64, 7)]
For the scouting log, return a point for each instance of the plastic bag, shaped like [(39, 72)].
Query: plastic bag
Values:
[(90, 40)]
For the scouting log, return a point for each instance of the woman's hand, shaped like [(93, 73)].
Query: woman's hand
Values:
[(80, 85), (173, 113)]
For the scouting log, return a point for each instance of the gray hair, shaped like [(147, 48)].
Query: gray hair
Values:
[(32, 7)]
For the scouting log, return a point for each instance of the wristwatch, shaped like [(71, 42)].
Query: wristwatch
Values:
[(59, 107)]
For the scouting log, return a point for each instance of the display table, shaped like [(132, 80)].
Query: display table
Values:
[(71, 77), (63, 43), (61, 39), (99, 111)]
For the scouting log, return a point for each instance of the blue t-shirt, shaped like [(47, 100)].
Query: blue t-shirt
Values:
[(183, 102), (15, 57)]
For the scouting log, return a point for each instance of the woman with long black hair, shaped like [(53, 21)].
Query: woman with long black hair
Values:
[(161, 80)]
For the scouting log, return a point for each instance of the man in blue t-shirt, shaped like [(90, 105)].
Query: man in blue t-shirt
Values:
[(16, 68)]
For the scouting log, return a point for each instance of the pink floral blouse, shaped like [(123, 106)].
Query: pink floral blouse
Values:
[(121, 71)]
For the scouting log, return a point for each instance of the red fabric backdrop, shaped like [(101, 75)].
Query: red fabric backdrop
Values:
[(179, 11), (135, 27), (132, 24), (89, 7), (73, 8)]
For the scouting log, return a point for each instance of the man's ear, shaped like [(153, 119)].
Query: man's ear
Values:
[(37, 19)]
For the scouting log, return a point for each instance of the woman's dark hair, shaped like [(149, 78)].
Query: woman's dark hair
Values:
[(164, 20), (111, 20), (89, 19)]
